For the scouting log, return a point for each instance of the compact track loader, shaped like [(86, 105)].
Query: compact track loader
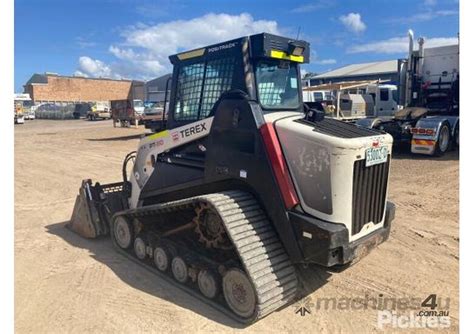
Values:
[(245, 182)]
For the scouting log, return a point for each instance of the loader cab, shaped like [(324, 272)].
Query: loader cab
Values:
[(264, 67)]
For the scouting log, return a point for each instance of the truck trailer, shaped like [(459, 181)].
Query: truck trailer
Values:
[(127, 112)]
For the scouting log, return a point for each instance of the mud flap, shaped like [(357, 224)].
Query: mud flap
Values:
[(91, 211)]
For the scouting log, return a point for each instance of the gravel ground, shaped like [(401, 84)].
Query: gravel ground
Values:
[(64, 283)]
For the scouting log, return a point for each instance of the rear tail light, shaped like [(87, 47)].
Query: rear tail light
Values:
[(423, 131)]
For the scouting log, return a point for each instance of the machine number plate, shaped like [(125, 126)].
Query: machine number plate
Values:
[(376, 155)]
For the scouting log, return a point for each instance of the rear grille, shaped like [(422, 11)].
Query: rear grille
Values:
[(368, 193), (337, 128)]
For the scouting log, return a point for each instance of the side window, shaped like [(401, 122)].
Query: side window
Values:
[(188, 93), (218, 79), (395, 95), (318, 96), (384, 95), (200, 80)]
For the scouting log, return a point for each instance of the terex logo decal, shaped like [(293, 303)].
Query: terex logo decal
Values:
[(175, 136), (193, 130)]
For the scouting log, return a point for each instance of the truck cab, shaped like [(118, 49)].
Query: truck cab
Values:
[(385, 99)]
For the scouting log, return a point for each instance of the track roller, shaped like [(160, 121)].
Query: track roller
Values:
[(123, 232), (239, 293), (161, 257), (139, 247), (179, 269), (208, 283)]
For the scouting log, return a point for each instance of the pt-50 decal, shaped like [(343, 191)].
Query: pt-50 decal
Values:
[(152, 146)]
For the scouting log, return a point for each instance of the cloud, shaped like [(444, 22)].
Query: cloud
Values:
[(78, 73), (329, 61), (144, 49), (397, 45), (424, 16), (152, 10), (353, 22), (315, 59), (83, 43), (429, 3), (93, 67), (313, 6)]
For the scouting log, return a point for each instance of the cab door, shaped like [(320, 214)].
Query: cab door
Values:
[(385, 104)]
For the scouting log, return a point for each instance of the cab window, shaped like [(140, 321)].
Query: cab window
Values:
[(199, 87)]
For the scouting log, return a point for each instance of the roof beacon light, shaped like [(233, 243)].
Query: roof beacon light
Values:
[(295, 48)]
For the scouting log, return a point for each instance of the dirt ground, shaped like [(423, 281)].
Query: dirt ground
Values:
[(64, 283)]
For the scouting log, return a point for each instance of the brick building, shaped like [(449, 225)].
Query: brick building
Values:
[(50, 87)]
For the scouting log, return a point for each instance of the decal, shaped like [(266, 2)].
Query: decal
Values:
[(158, 143), (175, 136), (222, 47), (194, 130)]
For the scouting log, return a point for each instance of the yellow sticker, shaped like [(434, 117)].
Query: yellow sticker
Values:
[(283, 55)]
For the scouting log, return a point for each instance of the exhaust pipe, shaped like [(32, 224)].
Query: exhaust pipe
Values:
[(409, 69), (421, 56)]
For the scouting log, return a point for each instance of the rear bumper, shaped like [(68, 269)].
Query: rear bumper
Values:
[(423, 145), (328, 244)]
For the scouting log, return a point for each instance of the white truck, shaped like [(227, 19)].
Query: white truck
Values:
[(99, 110), (21, 107), (385, 98), (354, 100), (429, 123)]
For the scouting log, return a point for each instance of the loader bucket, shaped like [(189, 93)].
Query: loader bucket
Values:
[(87, 219)]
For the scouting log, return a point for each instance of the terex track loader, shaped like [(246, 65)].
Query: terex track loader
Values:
[(245, 183)]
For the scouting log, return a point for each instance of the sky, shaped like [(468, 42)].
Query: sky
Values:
[(133, 38)]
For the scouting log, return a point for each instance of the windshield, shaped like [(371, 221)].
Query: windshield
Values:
[(277, 84), (137, 103)]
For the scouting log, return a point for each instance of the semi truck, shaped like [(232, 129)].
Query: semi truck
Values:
[(429, 122), (245, 183)]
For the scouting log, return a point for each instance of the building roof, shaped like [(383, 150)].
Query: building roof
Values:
[(342, 85), (159, 84), (388, 66), (39, 78)]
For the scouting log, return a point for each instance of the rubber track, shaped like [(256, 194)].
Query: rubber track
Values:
[(261, 253)]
